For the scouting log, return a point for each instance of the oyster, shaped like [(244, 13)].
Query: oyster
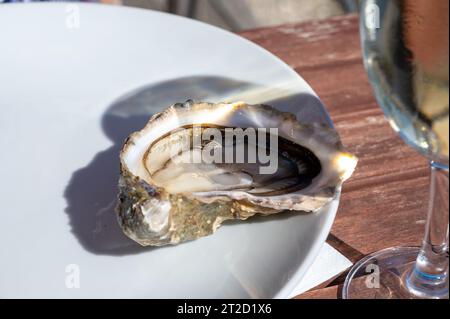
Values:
[(168, 197)]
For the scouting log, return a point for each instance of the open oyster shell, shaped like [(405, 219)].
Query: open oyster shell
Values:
[(165, 200)]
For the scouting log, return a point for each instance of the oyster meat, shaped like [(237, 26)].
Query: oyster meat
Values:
[(196, 165)]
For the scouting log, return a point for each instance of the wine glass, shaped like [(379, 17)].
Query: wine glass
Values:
[(406, 55)]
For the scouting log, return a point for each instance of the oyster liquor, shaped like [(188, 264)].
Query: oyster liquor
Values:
[(217, 145)]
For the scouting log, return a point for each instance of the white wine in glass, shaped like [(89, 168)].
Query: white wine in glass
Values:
[(406, 55)]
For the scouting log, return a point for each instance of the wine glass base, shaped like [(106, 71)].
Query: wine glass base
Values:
[(382, 275)]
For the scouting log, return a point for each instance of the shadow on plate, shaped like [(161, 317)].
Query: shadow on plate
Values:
[(91, 192)]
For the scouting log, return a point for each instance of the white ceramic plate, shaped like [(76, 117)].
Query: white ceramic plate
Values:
[(75, 80)]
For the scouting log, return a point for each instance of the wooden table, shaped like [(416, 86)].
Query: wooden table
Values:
[(384, 203)]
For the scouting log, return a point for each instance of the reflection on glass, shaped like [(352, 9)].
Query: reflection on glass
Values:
[(406, 54)]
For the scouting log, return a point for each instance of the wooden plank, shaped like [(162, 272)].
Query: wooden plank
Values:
[(325, 293)]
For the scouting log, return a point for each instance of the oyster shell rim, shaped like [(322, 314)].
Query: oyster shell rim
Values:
[(286, 118), (132, 216)]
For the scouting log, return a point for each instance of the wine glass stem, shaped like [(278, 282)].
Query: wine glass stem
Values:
[(429, 278)]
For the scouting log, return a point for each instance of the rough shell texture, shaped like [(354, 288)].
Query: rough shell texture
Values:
[(152, 216)]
